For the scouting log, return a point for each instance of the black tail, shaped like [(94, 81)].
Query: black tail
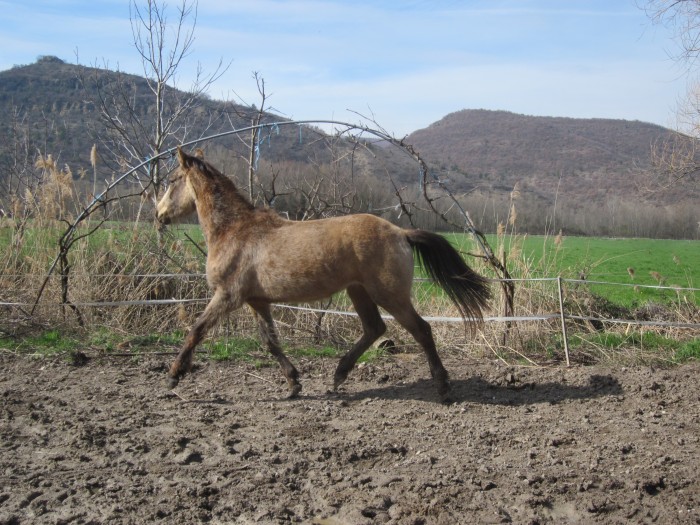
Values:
[(468, 290)]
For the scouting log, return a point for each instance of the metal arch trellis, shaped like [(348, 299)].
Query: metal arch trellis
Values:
[(426, 178)]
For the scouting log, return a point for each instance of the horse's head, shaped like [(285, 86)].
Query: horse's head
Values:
[(179, 199)]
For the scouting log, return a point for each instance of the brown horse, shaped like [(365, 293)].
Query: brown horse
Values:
[(258, 258)]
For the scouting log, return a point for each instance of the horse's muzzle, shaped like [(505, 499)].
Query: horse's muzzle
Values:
[(163, 219)]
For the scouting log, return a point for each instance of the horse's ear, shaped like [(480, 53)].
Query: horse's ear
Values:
[(182, 157), (198, 153), (186, 160)]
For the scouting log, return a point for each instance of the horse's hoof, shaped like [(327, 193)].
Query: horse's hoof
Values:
[(334, 392), (294, 391), (173, 382), (337, 381), (447, 399), (445, 393)]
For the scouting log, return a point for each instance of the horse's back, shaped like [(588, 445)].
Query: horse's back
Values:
[(360, 240), (306, 260)]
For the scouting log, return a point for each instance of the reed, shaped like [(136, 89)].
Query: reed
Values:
[(129, 261)]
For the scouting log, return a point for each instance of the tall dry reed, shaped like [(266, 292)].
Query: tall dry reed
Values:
[(128, 262)]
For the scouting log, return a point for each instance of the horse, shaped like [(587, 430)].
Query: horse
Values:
[(257, 257)]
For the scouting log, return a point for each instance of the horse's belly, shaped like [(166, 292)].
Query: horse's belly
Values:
[(305, 286)]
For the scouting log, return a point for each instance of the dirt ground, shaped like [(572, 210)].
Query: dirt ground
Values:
[(104, 441)]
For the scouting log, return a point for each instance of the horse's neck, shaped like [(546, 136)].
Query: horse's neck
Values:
[(219, 205)]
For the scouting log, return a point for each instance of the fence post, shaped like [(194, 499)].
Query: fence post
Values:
[(563, 321)]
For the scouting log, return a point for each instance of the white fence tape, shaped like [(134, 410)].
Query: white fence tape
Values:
[(542, 317), (417, 279), (438, 319)]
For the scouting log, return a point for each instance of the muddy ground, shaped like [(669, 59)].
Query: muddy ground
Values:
[(105, 442)]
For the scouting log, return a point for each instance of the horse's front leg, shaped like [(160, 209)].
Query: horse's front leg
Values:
[(219, 305)]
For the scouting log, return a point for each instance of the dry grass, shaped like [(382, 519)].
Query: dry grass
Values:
[(128, 262)]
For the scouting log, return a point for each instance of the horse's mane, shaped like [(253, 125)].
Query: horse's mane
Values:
[(207, 168), (222, 183)]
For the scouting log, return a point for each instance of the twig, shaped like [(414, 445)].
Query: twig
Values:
[(195, 244), (181, 398), (260, 378), (490, 346), (526, 357)]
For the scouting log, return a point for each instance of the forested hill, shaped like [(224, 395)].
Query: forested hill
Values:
[(586, 175), (56, 104), (54, 107), (590, 158)]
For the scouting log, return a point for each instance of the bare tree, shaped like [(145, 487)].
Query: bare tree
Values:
[(683, 18), (16, 160), (256, 116), (138, 127), (139, 121), (678, 157)]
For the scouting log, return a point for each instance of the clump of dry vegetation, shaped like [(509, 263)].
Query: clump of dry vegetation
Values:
[(126, 278)]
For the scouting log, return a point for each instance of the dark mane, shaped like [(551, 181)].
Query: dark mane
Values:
[(223, 187)]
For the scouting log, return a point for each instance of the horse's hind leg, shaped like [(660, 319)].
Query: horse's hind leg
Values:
[(268, 334), (419, 328), (372, 328), (219, 305)]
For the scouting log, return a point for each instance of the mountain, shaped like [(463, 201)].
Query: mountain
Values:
[(55, 104), (585, 176), (53, 107), (586, 158), (576, 175)]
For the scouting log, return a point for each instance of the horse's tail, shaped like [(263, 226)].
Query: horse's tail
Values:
[(468, 290)]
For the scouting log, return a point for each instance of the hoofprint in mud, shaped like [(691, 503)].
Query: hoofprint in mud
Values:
[(106, 443)]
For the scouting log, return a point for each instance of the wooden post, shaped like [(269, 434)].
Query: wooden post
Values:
[(563, 321), (508, 290)]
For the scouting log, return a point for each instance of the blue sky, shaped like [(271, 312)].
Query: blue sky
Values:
[(407, 63)]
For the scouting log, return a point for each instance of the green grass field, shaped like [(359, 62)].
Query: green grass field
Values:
[(632, 262)]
